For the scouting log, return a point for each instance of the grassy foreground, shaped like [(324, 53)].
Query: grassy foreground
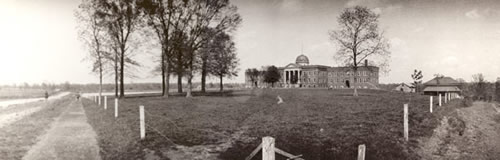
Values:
[(317, 123), (17, 138)]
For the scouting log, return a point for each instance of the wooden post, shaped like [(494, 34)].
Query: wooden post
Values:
[(116, 107), (439, 99), (105, 102), (406, 121), (361, 152), (268, 148), (430, 104), (142, 122), (99, 99)]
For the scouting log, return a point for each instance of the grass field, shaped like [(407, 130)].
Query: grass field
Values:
[(16, 93), (317, 123)]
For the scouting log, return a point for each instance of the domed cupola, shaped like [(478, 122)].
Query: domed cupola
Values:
[(302, 60)]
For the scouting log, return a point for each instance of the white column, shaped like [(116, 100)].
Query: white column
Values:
[(430, 104), (439, 99), (298, 76)]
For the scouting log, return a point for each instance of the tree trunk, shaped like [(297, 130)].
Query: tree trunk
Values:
[(190, 78), (163, 72), (116, 75), (221, 84), (167, 80), (179, 82), (203, 77), (122, 66), (100, 77), (355, 94)]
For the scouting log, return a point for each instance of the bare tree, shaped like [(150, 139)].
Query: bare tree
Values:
[(358, 38), (199, 16), (417, 79), (163, 16), (91, 33), (253, 74), (480, 85), (222, 62), (121, 18)]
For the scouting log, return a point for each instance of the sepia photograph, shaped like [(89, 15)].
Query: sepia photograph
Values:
[(249, 80)]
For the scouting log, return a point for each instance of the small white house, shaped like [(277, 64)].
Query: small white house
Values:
[(404, 88)]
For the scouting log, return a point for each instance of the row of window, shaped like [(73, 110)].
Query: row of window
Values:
[(336, 80), (359, 73)]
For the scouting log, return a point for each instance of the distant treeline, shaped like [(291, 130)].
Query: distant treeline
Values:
[(107, 87)]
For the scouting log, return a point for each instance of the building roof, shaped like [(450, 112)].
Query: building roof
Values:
[(441, 89), (442, 81)]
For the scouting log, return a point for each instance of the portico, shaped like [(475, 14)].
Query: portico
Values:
[(292, 75)]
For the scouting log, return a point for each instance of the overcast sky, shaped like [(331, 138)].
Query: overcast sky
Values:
[(457, 38)]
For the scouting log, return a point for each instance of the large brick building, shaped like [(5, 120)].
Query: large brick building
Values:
[(302, 74)]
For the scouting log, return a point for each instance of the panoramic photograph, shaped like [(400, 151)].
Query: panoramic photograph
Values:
[(249, 80)]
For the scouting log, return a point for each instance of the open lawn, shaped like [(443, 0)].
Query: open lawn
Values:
[(317, 123), (17, 93)]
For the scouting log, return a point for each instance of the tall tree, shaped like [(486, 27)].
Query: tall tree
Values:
[(272, 75), (91, 33), (358, 38), (201, 15), (417, 79), (480, 86), (121, 18), (162, 17), (253, 74), (222, 60)]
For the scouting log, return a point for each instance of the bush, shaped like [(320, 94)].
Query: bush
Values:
[(467, 101)]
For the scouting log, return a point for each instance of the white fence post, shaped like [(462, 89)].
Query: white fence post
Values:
[(440, 99), (105, 102), (142, 122), (406, 121), (99, 99), (430, 104), (116, 107), (268, 148), (361, 152)]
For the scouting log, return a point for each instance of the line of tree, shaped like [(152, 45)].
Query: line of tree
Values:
[(194, 35)]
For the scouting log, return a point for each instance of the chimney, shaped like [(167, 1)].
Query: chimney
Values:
[(366, 63)]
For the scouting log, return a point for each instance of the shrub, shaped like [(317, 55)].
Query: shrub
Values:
[(467, 101)]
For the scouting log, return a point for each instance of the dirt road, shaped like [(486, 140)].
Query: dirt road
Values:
[(70, 137), (470, 133)]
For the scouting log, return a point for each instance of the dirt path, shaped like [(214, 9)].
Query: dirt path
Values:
[(471, 133), (70, 137)]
